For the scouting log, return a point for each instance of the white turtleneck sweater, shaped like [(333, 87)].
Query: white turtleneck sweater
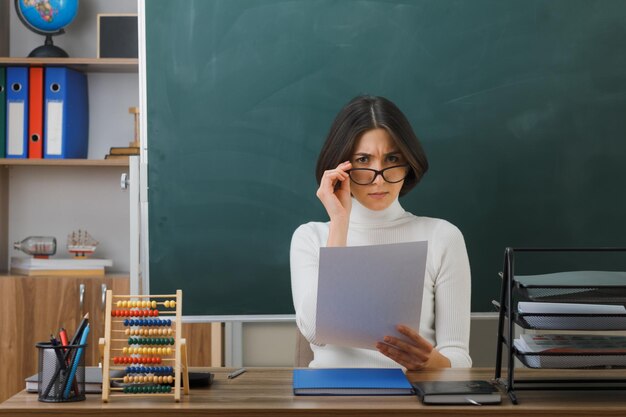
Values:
[(445, 319)]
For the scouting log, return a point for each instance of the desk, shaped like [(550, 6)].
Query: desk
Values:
[(267, 391)]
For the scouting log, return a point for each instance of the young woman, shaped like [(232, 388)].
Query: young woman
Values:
[(370, 158)]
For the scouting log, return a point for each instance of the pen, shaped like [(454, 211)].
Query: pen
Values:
[(236, 373), (472, 401), (54, 342), (63, 336)]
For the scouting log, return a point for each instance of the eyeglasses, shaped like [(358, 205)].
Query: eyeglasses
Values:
[(366, 176)]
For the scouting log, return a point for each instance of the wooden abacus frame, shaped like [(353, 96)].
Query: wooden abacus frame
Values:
[(108, 342)]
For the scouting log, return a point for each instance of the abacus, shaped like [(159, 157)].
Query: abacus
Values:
[(142, 337)]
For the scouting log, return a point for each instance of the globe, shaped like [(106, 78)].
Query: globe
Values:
[(47, 18)]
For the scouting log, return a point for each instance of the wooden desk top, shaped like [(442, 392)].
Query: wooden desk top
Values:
[(267, 391)]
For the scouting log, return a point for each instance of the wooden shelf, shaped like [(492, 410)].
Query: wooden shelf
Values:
[(120, 65), (114, 275), (65, 162)]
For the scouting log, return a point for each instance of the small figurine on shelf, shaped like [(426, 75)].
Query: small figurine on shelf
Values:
[(81, 244), (39, 246)]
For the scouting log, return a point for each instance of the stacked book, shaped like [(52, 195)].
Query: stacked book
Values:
[(122, 152), (59, 267)]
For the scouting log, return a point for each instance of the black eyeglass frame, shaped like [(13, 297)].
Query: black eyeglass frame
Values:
[(381, 173)]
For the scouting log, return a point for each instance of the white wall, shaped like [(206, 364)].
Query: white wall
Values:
[(111, 95), (273, 344), (269, 344)]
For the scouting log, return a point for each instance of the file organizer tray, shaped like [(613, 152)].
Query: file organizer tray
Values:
[(587, 287)]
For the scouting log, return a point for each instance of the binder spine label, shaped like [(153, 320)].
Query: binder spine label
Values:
[(54, 132), (15, 128)]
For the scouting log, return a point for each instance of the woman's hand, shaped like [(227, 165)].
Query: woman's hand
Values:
[(334, 192), (414, 355)]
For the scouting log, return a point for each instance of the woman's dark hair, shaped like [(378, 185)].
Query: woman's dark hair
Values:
[(364, 113)]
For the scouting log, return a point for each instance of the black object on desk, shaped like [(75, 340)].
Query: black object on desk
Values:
[(200, 379), (474, 392)]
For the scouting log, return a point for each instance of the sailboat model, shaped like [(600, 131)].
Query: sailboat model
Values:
[(81, 244)]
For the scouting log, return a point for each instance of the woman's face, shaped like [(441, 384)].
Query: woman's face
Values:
[(376, 150)]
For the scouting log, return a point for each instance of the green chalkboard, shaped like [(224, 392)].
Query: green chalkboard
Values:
[(520, 105)]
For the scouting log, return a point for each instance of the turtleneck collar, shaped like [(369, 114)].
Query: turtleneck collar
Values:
[(362, 215)]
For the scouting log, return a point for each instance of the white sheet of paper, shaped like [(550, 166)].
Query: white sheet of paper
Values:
[(363, 292)]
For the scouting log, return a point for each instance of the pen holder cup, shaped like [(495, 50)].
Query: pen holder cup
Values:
[(61, 376)]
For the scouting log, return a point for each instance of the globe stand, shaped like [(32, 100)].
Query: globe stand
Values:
[(48, 50)]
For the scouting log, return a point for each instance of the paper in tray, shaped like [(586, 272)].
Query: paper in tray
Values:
[(551, 359), (574, 286), (573, 362), (591, 322), (570, 362), (567, 316)]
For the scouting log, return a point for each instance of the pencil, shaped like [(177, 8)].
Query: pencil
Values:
[(79, 331)]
